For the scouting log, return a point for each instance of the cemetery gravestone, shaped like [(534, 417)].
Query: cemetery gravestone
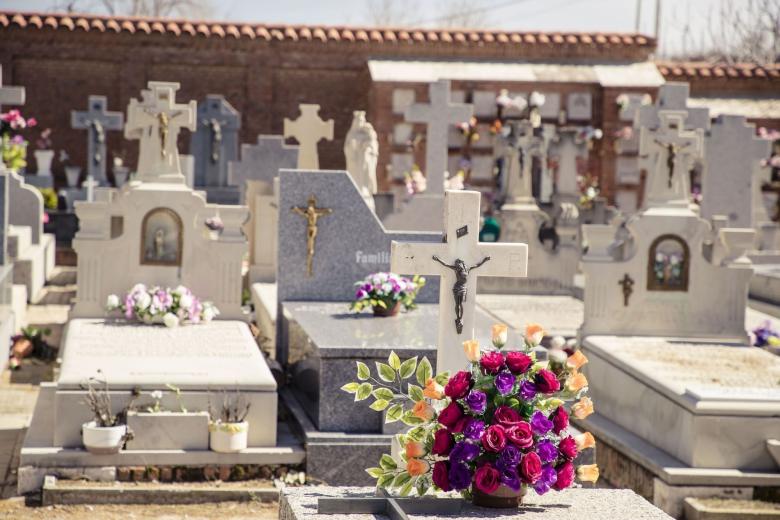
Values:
[(7, 317), (96, 121), (568, 147), (10, 95), (308, 130), (214, 145)]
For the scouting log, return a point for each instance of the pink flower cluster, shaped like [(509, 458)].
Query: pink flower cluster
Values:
[(166, 305), (15, 121), (388, 288)]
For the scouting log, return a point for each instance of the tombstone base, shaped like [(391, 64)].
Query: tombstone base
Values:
[(765, 283), (33, 263), (221, 194)]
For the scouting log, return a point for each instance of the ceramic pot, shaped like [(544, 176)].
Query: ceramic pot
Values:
[(120, 175), (390, 311), (228, 437), (72, 174), (502, 498), (22, 348), (44, 158), (103, 440)]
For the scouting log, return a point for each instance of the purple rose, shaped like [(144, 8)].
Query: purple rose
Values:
[(464, 452), (510, 478), (504, 382), (508, 458), (547, 451), (473, 430), (528, 390), (477, 401), (460, 476), (546, 480), (540, 424)]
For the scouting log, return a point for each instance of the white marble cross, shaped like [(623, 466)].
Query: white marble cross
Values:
[(308, 130), (568, 148), (96, 120), (10, 95), (461, 248), (156, 120), (523, 147), (674, 151), (90, 184), (438, 114)]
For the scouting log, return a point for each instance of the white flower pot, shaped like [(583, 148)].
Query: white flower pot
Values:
[(72, 173), (103, 440), (228, 437), (44, 158), (120, 175)]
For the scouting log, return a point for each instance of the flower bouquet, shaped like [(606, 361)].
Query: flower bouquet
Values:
[(386, 293), (157, 305), (489, 432), (13, 147), (766, 336)]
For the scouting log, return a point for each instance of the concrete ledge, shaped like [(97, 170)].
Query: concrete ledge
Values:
[(720, 509), (264, 301)]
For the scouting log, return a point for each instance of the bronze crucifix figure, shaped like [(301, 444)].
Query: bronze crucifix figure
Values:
[(459, 288)]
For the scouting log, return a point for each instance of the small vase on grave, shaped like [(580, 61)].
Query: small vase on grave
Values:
[(72, 174), (386, 312), (43, 159), (502, 498)]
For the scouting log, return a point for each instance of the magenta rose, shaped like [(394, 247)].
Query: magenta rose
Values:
[(458, 385), (568, 447), (441, 475), (460, 425), (547, 382), (487, 479), (506, 416), (491, 362), (530, 468), (442, 443), (450, 416), (494, 438), (518, 362), (520, 435), (560, 420), (565, 476)]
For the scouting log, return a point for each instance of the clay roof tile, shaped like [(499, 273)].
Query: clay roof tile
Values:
[(202, 29), (348, 35), (319, 34), (3, 20), (263, 33), (144, 26), (67, 21), (389, 36), (571, 39), (614, 39), (502, 38), (404, 36), (276, 34), (173, 28), (82, 23), (290, 34), (460, 37), (334, 35), (361, 35), (543, 38), (36, 21), (158, 28), (232, 30), (19, 20), (489, 37), (432, 36), (557, 38), (375, 36), (247, 31), (528, 38), (601, 39), (110, 24), (586, 38), (305, 34)]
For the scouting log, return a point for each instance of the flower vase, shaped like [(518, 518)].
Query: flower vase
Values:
[(502, 498), (383, 312), (228, 437), (43, 159), (121, 173), (72, 174)]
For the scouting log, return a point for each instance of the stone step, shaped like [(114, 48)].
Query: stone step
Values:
[(730, 509), (19, 240), (63, 276)]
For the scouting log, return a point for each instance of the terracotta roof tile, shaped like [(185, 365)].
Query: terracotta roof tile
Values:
[(263, 33), (248, 32), (502, 38), (319, 34), (717, 70), (333, 35), (82, 23), (19, 20), (232, 30), (143, 26), (174, 28), (36, 21), (110, 24), (67, 22), (348, 35), (290, 34), (203, 29), (158, 27), (375, 36), (3, 20)]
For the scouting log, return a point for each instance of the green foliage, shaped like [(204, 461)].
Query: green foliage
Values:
[(50, 199), (408, 367), (424, 371), (14, 155)]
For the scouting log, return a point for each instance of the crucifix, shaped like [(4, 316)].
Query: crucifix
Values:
[(10, 95), (308, 130), (628, 288), (96, 121), (459, 260), (156, 121), (311, 213), (90, 184), (215, 142), (522, 147), (672, 151), (439, 114)]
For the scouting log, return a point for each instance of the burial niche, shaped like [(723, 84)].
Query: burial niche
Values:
[(161, 238), (668, 264)]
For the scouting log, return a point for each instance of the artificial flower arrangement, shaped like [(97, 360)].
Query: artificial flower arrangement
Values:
[(162, 305), (385, 293), (488, 432), (13, 147), (766, 336), (589, 189), (415, 181)]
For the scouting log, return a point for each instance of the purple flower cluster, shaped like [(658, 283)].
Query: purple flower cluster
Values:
[(387, 287), (162, 305)]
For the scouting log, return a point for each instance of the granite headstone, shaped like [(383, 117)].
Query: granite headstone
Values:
[(215, 142), (96, 121)]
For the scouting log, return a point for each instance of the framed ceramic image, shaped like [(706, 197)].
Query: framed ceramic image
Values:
[(161, 238)]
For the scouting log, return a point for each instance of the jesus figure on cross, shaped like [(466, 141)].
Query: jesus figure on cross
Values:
[(459, 289)]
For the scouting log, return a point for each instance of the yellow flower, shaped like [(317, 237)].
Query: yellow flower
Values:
[(576, 382), (588, 473), (534, 333), (583, 408), (499, 336), (416, 467), (577, 360), (773, 341), (471, 348), (423, 410), (584, 441), (414, 449), (433, 390)]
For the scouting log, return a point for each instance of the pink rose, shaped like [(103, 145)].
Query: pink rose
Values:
[(487, 479), (458, 385), (530, 468), (506, 416), (494, 438), (547, 382), (568, 447), (560, 420), (565, 476), (442, 443), (450, 416), (520, 435), (491, 362), (518, 362)]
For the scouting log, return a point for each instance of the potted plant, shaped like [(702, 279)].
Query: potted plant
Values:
[(385, 293), (106, 433), (228, 427), (13, 147), (29, 342), (157, 305), (490, 431), (43, 153)]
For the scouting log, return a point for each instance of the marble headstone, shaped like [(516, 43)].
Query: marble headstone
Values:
[(96, 121), (309, 129), (215, 142)]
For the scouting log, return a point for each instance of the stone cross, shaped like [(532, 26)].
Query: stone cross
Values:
[(523, 147), (672, 96), (10, 95), (156, 121), (96, 121), (308, 130), (459, 260), (674, 150), (261, 162), (438, 115), (90, 184), (215, 143), (732, 151), (568, 148)]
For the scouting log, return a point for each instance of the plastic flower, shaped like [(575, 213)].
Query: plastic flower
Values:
[(499, 335), (477, 401), (583, 408), (576, 382), (540, 424), (471, 348), (546, 480), (588, 473), (577, 360), (423, 410), (171, 320), (414, 449), (460, 476), (416, 467), (464, 452), (534, 333), (112, 302), (584, 441), (433, 390), (505, 382)]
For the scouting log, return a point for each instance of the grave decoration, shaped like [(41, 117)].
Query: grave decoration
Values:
[(228, 427), (107, 432), (766, 336), (162, 305), (13, 146), (385, 293), (489, 432)]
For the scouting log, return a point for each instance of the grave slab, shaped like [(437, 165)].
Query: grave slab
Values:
[(559, 315)]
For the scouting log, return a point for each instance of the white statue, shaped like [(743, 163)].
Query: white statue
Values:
[(361, 149)]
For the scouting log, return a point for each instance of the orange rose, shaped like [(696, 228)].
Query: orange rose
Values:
[(471, 348), (588, 473), (584, 441), (433, 390), (583, 408), (423, 410), (499, 334), (577, 360), (414, 449), (416, 467), (534, 333), (576, 382)]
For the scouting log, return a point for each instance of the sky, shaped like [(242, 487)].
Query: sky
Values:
[(679, 17)]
